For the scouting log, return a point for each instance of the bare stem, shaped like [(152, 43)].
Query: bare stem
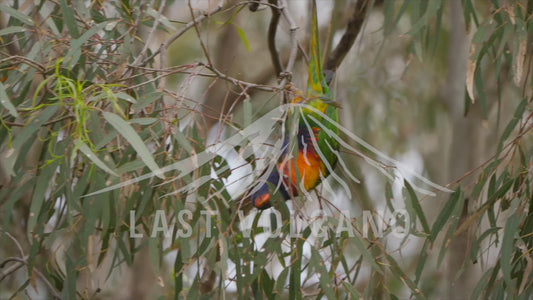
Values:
[(348, 38), (195, 23), (294, 42), (272, 29)]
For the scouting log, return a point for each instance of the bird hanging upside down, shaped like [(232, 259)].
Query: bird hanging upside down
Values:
[(316, 136)]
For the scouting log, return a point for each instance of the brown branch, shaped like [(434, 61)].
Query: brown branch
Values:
[(254, 5), (197, 29), (14, 124), (272, 28), (348, 38), (15, 59), (174, 37), (235, 81), (7, 272), (22, 261)]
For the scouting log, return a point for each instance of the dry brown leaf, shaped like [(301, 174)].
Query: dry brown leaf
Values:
[(519, 62), (471, 70)]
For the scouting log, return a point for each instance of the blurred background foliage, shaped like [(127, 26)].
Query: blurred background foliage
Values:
[(98, 93)]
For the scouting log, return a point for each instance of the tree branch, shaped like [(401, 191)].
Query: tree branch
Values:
[(151, 34), (272, 28), (196, 20), (348, 38), (22, 262), (204, 47), (254, 5), (176, 35)]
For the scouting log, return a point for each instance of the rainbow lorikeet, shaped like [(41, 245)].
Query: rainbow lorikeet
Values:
[(317, 147)]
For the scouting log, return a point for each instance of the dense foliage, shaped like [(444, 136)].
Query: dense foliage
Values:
[(117, 116)]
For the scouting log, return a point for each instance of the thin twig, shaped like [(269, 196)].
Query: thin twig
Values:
[(238, 82), (294, 43), (28, 61), (44, 124), (195, 24), (348, 38), (200, 18), (163, 57), (23, 261), (10, 270), (19, 247), (176, 35)]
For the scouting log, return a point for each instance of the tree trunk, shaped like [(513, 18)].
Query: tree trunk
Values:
[(466, 150)]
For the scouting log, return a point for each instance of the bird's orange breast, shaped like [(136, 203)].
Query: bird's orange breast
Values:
[(307, 167)]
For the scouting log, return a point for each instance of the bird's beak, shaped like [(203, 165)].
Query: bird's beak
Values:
[(262, 201)]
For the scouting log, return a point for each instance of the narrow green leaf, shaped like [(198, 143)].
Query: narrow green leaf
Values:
[(93, 157), (244, 38), (475, 246), (125, 129), (389, 196), (8, 203), (482, 33), (145, 100), (130, 166), (351, 290), (69, 19), (16, 14), (267, 284), (69, 288), (388, 12), (421, 261), (504, 188), (162, 19), (514, 121), (12, 29), (400, 274), (366, 254), (6, 103), (480, 286), (45, 175), (32, 128), (492, 185), (296, 269), (480, 88), (281, 280), (126, 97), (123, 248), (445, 214), (508, 246), (325, 279), (178, 275), (155, 254), (74, 53), (413, 200), (144, 121), (183, 141), (454, 222), (431, 11)]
